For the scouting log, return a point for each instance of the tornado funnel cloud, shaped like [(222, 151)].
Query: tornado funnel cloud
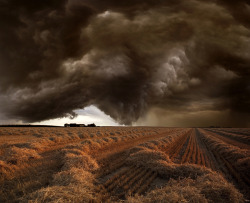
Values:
[(128, 58)]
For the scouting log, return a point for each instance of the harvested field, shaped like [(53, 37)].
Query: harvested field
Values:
[(129, 164)]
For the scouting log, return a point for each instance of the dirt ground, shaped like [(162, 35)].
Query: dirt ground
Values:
[(121, 164)]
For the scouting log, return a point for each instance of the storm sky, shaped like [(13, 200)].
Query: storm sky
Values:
[(141, 62)]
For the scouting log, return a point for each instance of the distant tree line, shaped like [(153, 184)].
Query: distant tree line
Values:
[(78, 125)]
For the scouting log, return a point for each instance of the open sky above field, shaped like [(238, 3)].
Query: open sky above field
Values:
[(134, 62)]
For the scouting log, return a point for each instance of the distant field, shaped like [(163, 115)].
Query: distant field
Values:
[(124, 164)]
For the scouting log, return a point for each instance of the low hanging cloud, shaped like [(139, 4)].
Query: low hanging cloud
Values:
[(126, 58)]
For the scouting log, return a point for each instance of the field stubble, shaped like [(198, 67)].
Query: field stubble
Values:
[(129, 164)]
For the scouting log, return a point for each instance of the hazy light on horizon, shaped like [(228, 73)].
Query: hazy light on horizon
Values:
[(88, 115), (167, 63)]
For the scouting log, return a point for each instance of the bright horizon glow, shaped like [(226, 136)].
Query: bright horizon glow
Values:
[(88, 115)]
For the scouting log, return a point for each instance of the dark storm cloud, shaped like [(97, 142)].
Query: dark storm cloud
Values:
[(239, 9), (126, 57)]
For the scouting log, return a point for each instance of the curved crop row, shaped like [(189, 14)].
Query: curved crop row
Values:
[(228, 156), (232, 135), (128, 181), (174, 149), (195, 152)]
